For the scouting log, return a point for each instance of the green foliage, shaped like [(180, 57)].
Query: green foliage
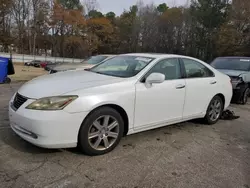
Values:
[(71, 4), (162, 8), (110, 15), (95, 14), (134, 9), (210, 13)]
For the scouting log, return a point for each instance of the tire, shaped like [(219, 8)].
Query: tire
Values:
[(209, 119), (245, 96), (7, 80), (94, 134)]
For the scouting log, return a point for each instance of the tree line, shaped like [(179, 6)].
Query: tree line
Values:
[(71, 28)]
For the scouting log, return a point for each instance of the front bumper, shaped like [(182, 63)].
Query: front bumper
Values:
[(237, 94), (47, 129)]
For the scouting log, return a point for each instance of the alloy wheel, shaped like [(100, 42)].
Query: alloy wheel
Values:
[(215, 110), (103, 132)]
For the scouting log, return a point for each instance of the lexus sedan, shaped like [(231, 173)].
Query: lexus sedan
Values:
[(124, 95)]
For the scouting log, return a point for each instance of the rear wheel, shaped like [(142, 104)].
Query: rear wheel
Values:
[(214, 110), (245, 96), (101, 132)]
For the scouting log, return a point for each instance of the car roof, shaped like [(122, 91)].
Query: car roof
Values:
[(233, 57), (107, 55), (155, 55)]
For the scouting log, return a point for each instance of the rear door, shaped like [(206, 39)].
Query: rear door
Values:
[(201, 86)]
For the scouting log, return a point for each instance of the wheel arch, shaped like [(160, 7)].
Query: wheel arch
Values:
[(119, 109), (221, 96), (223, 99)]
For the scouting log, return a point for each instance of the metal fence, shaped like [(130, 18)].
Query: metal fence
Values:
[(21, 58)]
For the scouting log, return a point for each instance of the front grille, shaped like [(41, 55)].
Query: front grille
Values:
[(19, 100), (234, 78)]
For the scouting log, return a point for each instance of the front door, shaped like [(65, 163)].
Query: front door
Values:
[(162, 102)]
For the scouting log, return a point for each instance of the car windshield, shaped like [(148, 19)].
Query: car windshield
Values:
[(240, 64), (96, 59), (122, 66)]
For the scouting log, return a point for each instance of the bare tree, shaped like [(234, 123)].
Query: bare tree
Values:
[(90, 5), (5, 24), (21, 10)]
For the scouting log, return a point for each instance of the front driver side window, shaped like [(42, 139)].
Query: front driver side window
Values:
[(195, 69), (169, 67)]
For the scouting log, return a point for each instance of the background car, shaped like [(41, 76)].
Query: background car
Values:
[(43, 64), (238, 68), (32, 63), (49, 67), (88, 63), (37, 64), (124, 95)]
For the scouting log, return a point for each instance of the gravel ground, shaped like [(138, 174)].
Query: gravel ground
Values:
[(183, 155)]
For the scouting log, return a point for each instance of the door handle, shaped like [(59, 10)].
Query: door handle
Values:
[(213, 82), (181, 86)]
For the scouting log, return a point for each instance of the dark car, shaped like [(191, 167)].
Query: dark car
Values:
[(32, 63), (238, 69), (49, 67), (37, 64)]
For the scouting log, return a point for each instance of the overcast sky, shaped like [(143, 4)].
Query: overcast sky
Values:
[(118, 6)]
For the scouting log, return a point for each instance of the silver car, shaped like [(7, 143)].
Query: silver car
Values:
[(88, 63)]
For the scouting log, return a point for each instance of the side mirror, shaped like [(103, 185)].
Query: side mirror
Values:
[(155, 78)]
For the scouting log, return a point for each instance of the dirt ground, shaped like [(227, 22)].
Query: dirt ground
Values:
[(186, 155), (24, 73)]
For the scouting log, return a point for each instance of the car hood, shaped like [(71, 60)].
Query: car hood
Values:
[(64, 82), (232, 73), (71, 66)]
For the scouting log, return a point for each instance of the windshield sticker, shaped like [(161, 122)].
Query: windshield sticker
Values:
[(247, 60), (143, 59)]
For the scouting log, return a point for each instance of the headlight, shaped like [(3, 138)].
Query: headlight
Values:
[(52, 103), (236, 79)]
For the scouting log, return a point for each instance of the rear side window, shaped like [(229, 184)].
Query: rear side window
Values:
[(195, 69)]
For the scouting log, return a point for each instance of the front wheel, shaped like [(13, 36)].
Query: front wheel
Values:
[(101, 132), (214, 110)]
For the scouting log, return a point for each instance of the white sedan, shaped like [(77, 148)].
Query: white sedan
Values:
[(124, 95)]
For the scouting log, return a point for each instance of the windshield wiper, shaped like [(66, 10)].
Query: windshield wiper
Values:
[(106, 74), (100, 73)]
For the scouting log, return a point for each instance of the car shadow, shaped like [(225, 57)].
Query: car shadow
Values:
[(11, 139)]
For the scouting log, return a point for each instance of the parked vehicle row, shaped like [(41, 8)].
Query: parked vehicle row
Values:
[(85, 64), (123, 95), (38, 63), (54, 67)]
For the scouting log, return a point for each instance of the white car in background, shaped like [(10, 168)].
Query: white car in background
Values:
[(124, 95), (86, 64)]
